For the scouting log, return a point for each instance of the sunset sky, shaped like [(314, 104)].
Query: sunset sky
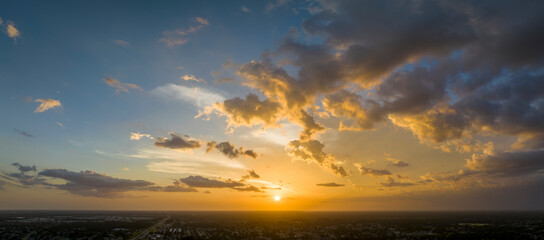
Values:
[(272, 105)]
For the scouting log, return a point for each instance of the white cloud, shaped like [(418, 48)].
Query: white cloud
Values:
[(138, 136), (199, 97)]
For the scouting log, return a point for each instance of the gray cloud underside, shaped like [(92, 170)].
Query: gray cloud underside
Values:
[(331, 184), (177, 142), (89, 183)]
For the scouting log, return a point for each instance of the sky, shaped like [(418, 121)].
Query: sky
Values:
[(272, 105)]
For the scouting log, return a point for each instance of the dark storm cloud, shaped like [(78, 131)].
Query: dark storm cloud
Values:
[(229, 150), (23, 133), (331, 184), (177, 142)]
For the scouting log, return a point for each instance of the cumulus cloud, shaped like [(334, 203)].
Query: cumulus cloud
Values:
[(331, 184), (179, 36), (448, 72), (177, 142), (46, 104), (229, 150), (23, 133), (249, 111), (121, 87), (137, 136)]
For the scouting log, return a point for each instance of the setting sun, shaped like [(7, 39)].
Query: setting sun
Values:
[(277, 198)]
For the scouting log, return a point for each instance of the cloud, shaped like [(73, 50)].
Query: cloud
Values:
[(395, 162), (372, 172), (275, 4), (10, 29), (199, 97), (247, 189), (245, 9), (252, 174), (138, 136), (23, 133), (122, 43), (24, 169), (121, 87), (179, 36), (507, 164), (249, 111), (192, 78), (177, 142), (331, 184), (312, 151), (392, 183), (89, 183), (399, 163), (229, 150), (46, 104), (202, 182), (202, 21)]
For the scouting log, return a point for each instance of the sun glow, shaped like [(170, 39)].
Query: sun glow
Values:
[(277, 198)]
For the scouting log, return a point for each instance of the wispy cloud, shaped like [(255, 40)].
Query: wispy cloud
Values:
[(122, 43), (179, 36), (121, 87), (199, 97), (23, 133), (245, 9)]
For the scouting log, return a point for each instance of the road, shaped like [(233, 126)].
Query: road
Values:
[(143, 234)]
